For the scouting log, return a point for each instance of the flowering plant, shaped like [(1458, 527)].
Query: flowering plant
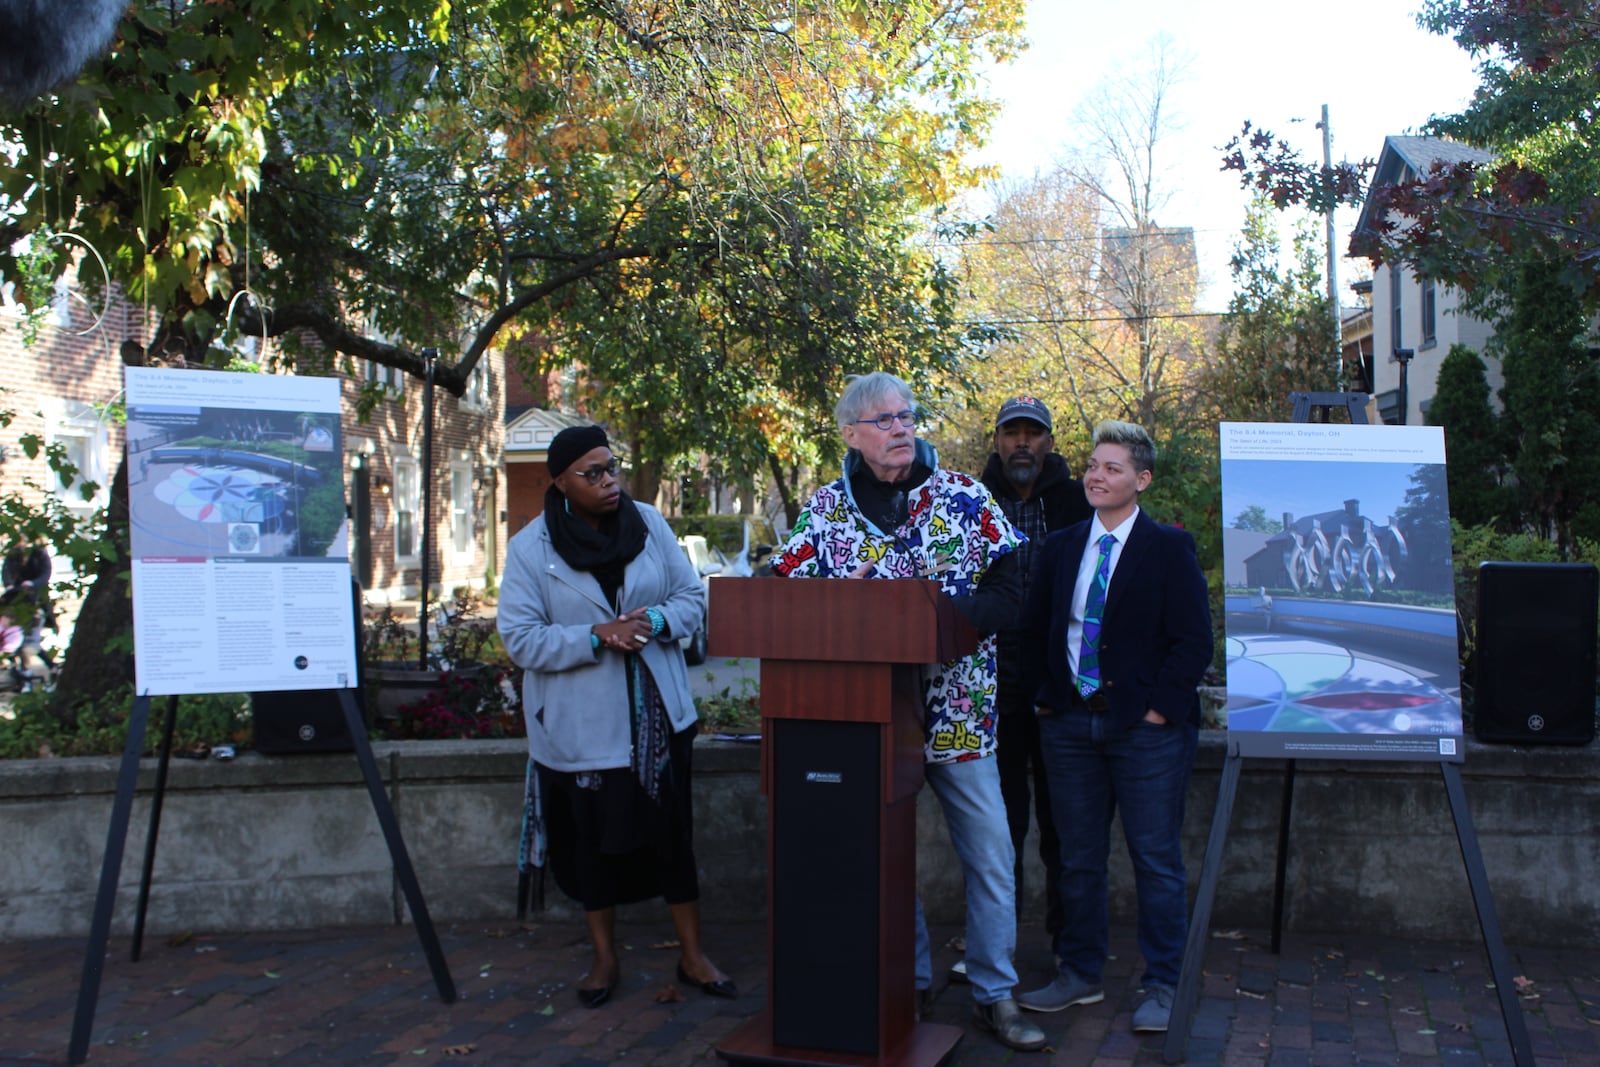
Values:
[(469, 703)]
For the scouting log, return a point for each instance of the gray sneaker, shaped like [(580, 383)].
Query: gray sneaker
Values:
[(1068, 989), (1154, 1010), (1005, 1022)]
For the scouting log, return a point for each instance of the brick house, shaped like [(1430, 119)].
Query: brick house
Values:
[(61, 383)]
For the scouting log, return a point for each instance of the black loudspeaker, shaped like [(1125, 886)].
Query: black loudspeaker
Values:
[(301, 720), (825, 874), (1535, 679), (309, 720)]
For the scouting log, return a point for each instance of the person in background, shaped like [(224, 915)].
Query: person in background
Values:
[(595, 593), (1038, 494), (896, 514), (1118, 634), (26, 604)]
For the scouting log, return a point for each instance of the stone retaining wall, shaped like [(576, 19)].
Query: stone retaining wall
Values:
[(264, 843)]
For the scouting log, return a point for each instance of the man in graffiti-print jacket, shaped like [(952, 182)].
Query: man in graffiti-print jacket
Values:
[(896, 514)]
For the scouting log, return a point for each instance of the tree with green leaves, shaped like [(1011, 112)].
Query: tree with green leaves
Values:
[(1473, 442), (710, 205), (1254, 518), (1551, 421), (1276, 335)]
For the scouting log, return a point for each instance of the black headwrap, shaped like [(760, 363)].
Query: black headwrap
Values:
[(572, 444)]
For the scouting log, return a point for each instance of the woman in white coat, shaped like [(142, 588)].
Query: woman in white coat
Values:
[(595, 595)]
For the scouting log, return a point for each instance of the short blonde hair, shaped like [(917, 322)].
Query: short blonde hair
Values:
[(1133, 437)]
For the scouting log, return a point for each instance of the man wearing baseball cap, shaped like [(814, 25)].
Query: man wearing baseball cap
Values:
[(1039, 495)]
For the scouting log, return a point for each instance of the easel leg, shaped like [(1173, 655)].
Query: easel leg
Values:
[(155, 826), (1488, 921), (1280, 875), (1200, 920), (110, 869), (397, 848)]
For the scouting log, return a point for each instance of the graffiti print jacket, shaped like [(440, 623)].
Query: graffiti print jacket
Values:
[(953, 532)]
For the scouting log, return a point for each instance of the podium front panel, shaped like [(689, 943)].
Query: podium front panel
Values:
[(840, 692), (826, 846)]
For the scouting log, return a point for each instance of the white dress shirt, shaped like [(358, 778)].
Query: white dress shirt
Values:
[(1086, 569)]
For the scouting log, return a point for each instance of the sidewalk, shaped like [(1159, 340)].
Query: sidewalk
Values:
[(364, 996)]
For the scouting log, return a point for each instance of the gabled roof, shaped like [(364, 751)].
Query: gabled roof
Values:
[(530, 433), (1404, 158)]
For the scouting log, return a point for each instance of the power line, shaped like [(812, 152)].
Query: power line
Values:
[(1077, 321)]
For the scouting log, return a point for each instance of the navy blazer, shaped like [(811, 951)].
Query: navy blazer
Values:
[(1155, 635)]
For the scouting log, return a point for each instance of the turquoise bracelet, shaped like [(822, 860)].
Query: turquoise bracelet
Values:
[(594, 641), (658, 621)]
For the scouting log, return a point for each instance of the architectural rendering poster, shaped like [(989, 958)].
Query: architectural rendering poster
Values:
[(241, 568), (1341, 626)]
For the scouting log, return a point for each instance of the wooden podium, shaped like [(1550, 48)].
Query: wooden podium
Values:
[(841, 764)]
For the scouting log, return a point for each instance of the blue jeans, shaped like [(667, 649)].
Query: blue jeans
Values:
[(969, 793), (1094, 771)]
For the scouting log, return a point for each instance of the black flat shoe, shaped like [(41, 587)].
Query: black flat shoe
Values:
[(724, 989), (593, 998)]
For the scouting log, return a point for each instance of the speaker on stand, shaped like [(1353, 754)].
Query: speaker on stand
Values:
[(1535, 655)]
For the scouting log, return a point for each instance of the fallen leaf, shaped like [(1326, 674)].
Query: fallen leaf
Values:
[(459, 1050), (1363, 1003), (180, 939), (1228, 935), (1522, 983), (271, 974), (419, 1052), (669, 994), (548, 1009), (671, 942), (1410, 1011), (1428, 1032), (1252, 996)]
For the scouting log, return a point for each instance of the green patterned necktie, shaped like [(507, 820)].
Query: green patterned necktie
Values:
[(1094, 608)]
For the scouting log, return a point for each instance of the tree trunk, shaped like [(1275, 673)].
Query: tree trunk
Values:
[(99, 659)]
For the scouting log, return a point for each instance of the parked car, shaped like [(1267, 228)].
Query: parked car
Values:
[(743, 541), (707, 562)]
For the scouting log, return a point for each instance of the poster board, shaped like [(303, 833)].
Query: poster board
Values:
[(1340, 603), (238, 533)]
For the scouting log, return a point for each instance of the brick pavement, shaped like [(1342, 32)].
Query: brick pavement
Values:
[(365, 997)]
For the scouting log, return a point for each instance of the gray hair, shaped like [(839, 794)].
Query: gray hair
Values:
[(863, 391), (1132, 436)]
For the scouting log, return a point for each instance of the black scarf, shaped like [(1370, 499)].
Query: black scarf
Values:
[(604, 551)]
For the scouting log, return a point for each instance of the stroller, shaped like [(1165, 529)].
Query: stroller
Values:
[(27, 666)]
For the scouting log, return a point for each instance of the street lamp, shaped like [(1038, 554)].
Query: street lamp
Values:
[(1403, 356)]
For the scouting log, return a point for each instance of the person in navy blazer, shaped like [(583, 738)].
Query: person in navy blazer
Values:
[(1119, 735)]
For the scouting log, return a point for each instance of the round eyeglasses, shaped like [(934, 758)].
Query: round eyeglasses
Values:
[(887, 420), (594, 474)]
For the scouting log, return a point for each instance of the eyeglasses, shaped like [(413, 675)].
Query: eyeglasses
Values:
[(594, 474), (886, 421)]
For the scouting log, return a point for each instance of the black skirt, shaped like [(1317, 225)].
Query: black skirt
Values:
[(610, 844)]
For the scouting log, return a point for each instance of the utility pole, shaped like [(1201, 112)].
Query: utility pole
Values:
[(1333, 259)]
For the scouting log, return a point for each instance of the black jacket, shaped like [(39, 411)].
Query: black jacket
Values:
[(1064, 504)]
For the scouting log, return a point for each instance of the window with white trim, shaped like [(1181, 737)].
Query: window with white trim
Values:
[(383, 375), (461, 510), (476, 397), (1394, 308), (1429, 311), (78, 428), (407, 511)]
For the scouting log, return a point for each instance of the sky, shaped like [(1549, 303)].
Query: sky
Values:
[(1275, 64)]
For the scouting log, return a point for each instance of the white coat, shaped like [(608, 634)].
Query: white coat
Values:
[(575, 696)]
